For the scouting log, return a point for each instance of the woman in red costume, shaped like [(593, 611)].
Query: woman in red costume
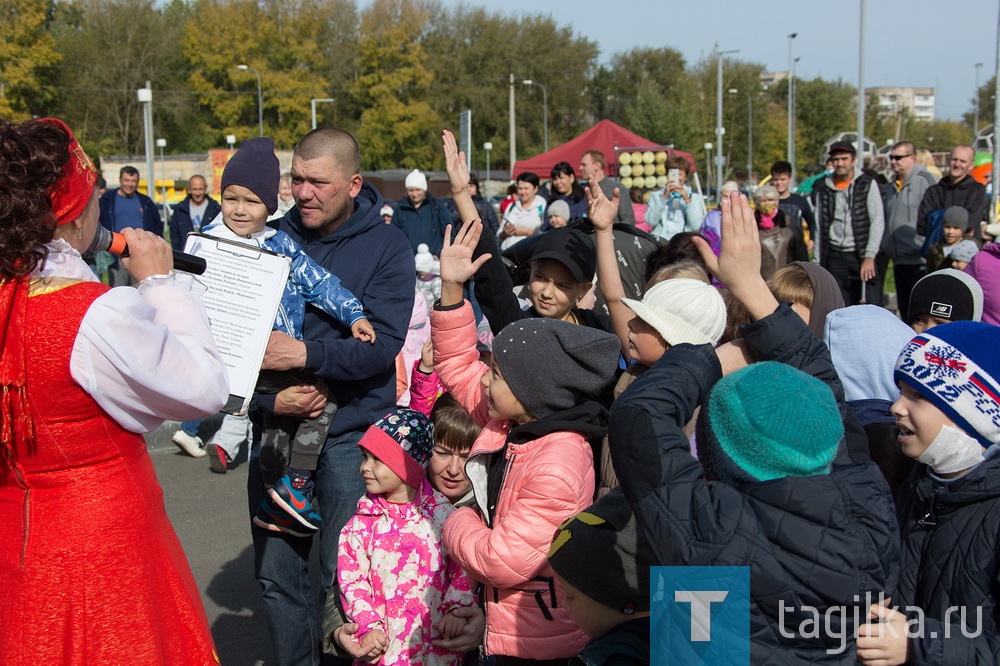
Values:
[(91, 571)]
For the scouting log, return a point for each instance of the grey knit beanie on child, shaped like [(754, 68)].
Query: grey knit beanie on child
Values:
[(548, 362)]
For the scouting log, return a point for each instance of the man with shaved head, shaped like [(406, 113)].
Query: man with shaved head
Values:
[(336, 220), (958, 188), (196, 211)]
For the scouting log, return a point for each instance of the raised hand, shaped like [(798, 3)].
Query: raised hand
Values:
[(458, 169), (601, 211), (739, 258), (738, 263), (457, 266)]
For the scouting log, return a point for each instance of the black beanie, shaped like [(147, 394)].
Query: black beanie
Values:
[(602, 554), (548, 362), (255, 167), (947, 294)]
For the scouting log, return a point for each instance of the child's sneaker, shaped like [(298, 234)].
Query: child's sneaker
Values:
[(294, 494), (272, 517)]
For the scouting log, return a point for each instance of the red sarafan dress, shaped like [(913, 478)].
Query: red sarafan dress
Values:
[(91, 571)]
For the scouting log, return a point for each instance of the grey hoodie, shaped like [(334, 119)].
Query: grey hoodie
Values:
[(900, 240), (865, 341)]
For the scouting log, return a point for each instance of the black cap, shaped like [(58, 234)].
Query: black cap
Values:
[(572, 248), (843, 147)]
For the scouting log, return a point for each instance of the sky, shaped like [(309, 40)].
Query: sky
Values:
[(916, 43)]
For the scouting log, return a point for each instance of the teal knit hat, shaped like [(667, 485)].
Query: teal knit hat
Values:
[(768, 421)]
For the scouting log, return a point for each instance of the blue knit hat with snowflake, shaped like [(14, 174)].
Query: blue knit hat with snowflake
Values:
[(403, 440), (768, 421), (955, 366)]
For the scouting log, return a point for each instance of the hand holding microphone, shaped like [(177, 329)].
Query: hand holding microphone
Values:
[(144, 253)]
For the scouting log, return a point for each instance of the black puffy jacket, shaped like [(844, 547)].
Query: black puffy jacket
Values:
[(809, 541), (951, 550)]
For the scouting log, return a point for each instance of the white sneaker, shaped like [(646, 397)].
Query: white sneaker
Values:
[(188, 444)]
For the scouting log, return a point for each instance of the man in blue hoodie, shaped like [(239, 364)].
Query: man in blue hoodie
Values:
[(336, 221)]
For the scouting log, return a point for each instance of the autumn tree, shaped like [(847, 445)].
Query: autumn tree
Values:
[(472, 52), (398, 126), (651, 92), (110, 48), (27, 55), (283, 41)]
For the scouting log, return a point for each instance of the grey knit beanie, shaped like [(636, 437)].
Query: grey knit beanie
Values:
[(548, 362), (255, 167)]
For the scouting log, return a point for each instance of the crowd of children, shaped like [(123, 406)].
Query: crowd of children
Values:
[(719, 420)]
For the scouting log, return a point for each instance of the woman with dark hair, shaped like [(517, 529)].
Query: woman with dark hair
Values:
[(524, 216), (565, 187), (91, 571)]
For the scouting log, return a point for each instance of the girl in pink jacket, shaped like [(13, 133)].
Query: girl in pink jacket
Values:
[(532, 466), (396, 581)]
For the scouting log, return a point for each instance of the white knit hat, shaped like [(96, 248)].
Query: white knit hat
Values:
[(417, 179), (424, 259), (682, 310)]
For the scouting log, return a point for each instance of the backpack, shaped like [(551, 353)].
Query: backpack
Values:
[(935, 227)]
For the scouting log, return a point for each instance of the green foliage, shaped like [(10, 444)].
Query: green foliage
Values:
[(27, 55), (472, 52), (822, 109), (650, 92), (398, 127), (110, 48)]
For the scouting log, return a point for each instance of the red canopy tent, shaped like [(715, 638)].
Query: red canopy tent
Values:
[(606, 137)]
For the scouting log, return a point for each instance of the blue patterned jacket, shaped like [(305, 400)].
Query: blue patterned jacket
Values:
[(308, 282)]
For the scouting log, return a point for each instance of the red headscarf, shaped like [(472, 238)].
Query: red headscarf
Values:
[(70, 195)]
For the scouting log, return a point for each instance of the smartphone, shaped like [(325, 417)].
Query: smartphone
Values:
[(673, 176)]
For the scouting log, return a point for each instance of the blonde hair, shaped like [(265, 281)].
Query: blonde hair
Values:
[(792, 283), (681, 269), (924, 158)]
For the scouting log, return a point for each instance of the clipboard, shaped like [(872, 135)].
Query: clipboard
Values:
[(244, 287)]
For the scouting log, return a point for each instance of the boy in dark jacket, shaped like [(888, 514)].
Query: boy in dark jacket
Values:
[(948, 414), (777, 486), (612, 607)]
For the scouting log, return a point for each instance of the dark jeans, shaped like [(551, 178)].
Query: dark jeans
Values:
[(846, 270), (281, 561)]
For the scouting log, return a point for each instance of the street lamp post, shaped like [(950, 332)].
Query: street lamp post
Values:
[(708, 174), (145, 96), (313, 103), (861, 85), (975, 126), (161, 144), (511, 129), (488, 146), (795, 103), (719, 129), (231, 141), (545, 111), (260, 97), (734, 91), (791, 106)]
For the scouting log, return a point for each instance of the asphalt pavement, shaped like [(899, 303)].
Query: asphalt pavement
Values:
[(209, 512)]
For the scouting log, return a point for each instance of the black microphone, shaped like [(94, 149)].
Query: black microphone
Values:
[(115, 244)]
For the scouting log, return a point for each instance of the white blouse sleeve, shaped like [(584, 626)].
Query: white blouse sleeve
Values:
[(147, 355)]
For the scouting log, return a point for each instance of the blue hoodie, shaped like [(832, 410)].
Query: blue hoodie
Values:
[(375, 262)]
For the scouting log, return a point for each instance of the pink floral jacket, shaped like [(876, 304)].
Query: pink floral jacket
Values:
[(395, 575)]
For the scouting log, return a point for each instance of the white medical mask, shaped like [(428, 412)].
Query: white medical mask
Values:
[(952, 451)]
